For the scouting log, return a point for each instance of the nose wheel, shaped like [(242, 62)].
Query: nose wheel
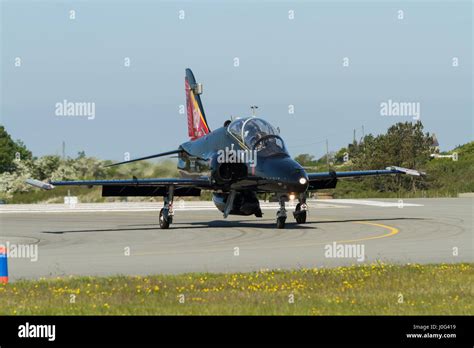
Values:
[(281, 222), (281, 213)]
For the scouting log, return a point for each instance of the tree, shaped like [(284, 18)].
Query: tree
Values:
[(404, 145), (14, 182), (46, 166), (306, 160), (11, 152)]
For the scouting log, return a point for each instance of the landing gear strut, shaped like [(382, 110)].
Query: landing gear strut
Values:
[(301, 210), (166, 213), (229, 204), (281, 213)]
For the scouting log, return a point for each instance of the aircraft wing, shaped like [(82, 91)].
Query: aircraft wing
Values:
[(135, 186), (324, 180)]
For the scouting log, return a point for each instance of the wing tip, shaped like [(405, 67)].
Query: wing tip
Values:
[(407, 171), (39, 184)]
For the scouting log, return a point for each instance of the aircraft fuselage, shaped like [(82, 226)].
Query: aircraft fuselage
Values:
[(277, 173)]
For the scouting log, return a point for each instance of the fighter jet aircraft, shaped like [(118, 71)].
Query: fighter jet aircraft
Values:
[(236, 162)]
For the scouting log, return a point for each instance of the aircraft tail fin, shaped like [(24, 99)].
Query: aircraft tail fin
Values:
[(197, 123)]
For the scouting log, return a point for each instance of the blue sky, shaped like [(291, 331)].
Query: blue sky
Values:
[(283, 62)]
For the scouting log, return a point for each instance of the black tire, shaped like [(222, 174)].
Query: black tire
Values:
[(300, 216), (164, 222), (281, 222)]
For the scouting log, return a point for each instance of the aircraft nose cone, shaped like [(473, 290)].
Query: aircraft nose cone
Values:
[(298, 181), (287, 174)]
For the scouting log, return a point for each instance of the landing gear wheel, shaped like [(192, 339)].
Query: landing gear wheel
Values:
[(164, 222), (300, 215), (281, 221)]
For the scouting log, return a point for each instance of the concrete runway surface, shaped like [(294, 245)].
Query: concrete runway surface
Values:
[(94, 239)]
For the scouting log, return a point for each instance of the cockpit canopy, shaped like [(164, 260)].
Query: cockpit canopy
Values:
[(257, 134)]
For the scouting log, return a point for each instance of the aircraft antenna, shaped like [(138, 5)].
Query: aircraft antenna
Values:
[(254, 109)]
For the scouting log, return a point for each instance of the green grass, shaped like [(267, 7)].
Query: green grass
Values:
[(358, 189), (442, 289), (89, 195)]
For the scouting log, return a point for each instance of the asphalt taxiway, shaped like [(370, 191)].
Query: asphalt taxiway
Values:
[(124, 238)]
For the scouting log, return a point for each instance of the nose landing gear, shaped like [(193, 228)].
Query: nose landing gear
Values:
[(299, 214), (166, 213)]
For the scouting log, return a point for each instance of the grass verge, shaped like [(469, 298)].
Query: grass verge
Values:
[(377, 289)]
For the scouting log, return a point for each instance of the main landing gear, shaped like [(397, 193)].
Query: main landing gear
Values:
[(301, 210), (299, 214), (166, 213), (281, 213)]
